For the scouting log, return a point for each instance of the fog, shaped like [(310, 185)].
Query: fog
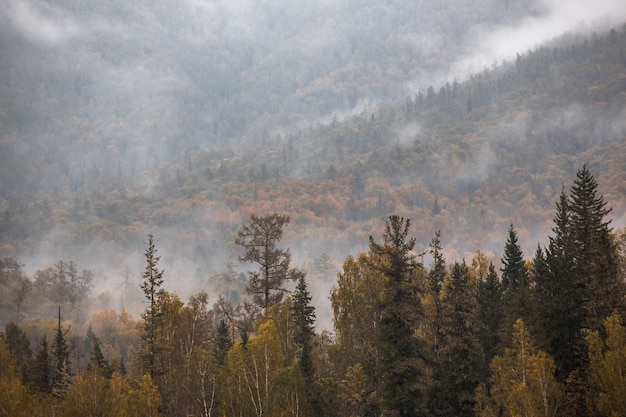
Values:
[(553, 19), (100, 98)]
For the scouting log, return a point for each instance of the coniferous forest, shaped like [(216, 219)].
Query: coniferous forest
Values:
[(414, 334), (324, 208)]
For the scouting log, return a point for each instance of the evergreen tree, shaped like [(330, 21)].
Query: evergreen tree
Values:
[(60, 360), (151, 286), (516, 296), (558, 295), (579, 284), (97, 359), (595, 256), (223, 342), (458, 368), (489, 300), (18, 344), (41, 373), (304, 317), (259, 238), (402, 366)]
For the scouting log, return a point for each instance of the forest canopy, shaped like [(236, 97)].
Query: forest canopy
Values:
[(544, 335)]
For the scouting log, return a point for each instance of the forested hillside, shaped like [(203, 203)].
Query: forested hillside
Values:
[(467, 158), (540, 336), (267, 208)]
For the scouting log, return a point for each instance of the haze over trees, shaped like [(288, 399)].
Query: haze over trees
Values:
[(410, 339), (324, 145)]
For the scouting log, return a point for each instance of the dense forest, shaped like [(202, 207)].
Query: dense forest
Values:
[(338, 208), (464, 157), (414, 334)]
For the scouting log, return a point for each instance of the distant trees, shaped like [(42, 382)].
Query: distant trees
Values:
[(259, 238), (63, 283)]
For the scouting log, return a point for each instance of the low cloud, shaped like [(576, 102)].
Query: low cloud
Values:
[(42, 23), (557, 18)]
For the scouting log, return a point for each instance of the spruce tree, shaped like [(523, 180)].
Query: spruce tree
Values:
[(458, 369), (595, 260), (558, 294), (516, 297), (98, 359), (402, 366), (580, 286), (223, 342), (19, 345), (41, 372), (60, 360), (151, 286), (304, 317), (489, 300)]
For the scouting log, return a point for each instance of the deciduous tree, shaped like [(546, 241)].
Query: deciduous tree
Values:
[(522, 381), (607, 365)]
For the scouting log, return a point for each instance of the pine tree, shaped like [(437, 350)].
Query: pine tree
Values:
[(61, 361), (304, 317), (402, 367), (151, 286), (260, 238)]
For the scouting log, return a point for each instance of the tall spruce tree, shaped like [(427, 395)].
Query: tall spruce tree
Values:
[(304, 317), (595, 260), (402, 370), (151, 286), (458, 368), (60, 360), (516, 295), (489, 300), (558, 295), (579, 285)]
